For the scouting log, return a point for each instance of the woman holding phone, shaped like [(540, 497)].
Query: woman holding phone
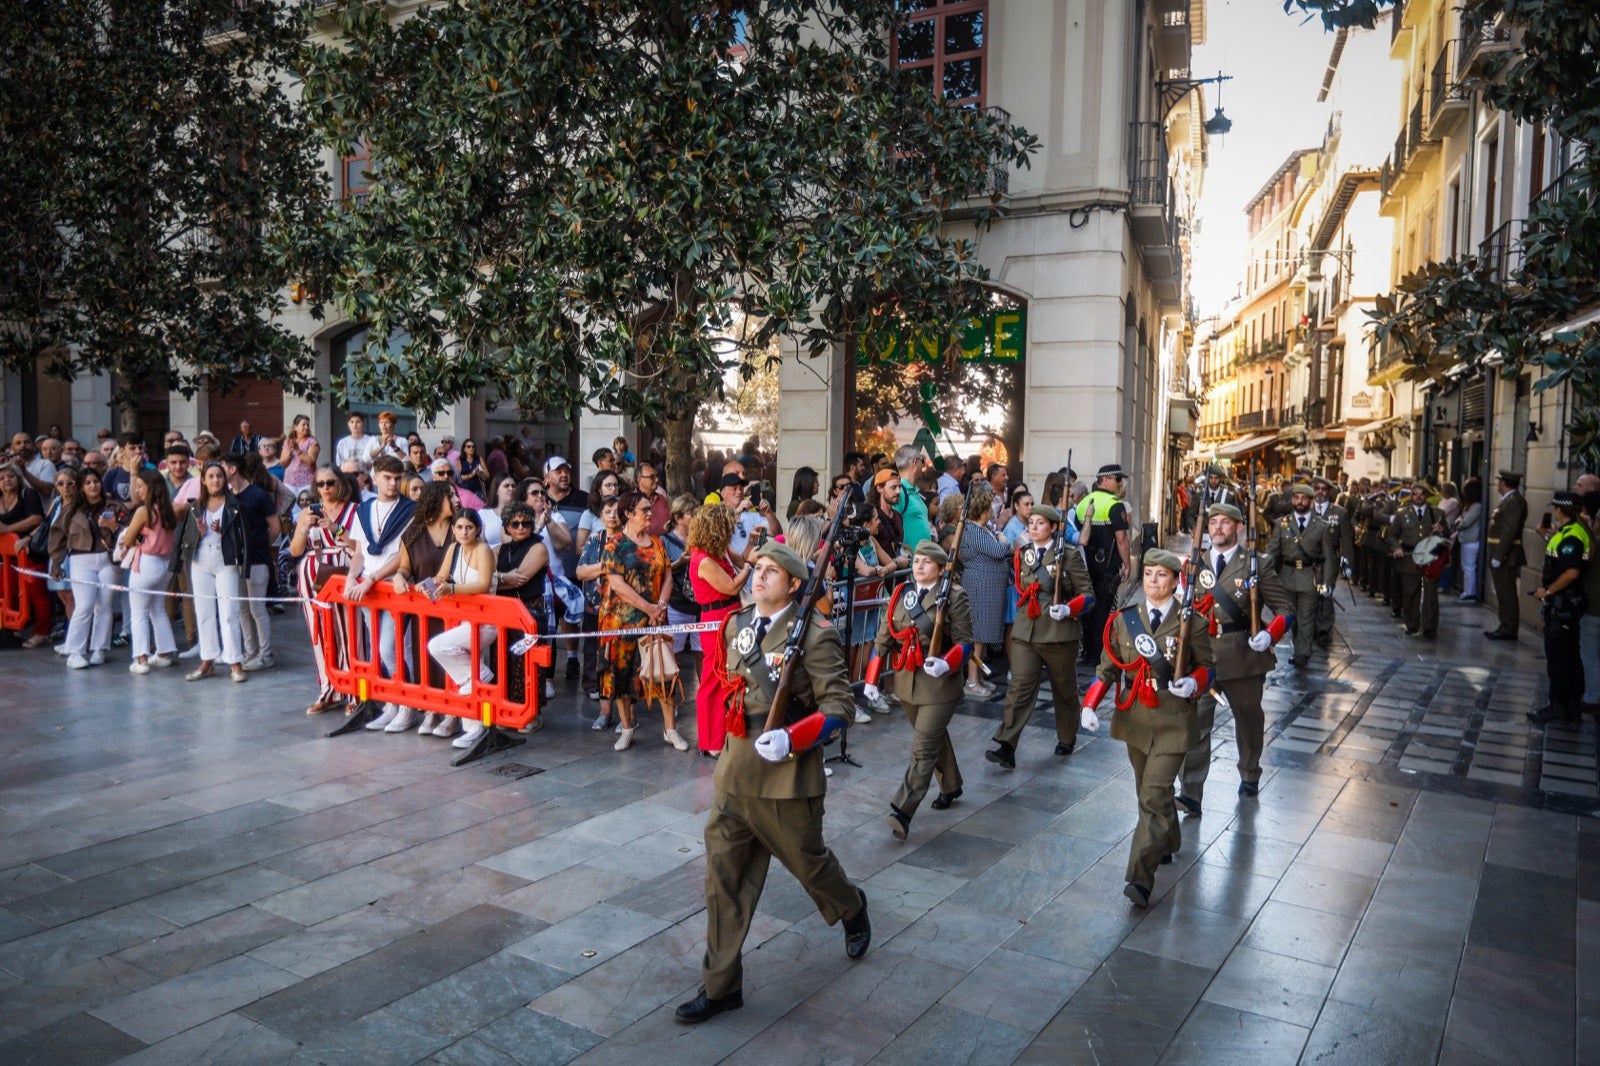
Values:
[(318, 542)]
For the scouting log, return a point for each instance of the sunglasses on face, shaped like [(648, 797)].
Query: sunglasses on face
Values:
[(519, 523)]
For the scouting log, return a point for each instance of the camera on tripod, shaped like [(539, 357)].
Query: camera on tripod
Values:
[(853, 533)]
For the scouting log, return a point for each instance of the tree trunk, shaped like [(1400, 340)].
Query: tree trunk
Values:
[(680, 452)]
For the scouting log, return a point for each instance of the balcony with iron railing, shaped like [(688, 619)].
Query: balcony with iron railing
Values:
[(1447, 98), (1497, 251), (1486, 40), (1151, 201)]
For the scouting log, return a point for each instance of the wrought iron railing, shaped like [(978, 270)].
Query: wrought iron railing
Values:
[(1494, 251), (1445, 85)]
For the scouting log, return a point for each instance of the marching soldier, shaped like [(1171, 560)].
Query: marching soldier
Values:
[(1243, 660), (1217, 488), (1338, 518), (928, 685), (1045, 635), (1302, 552), (1506, 557), (767, 792), (1560, 593), (1419, 593), (1103, 524), (1155, 708)]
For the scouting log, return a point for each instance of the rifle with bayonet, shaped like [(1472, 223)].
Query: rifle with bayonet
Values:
[(1191, 573), (1250, 546), (793, 647), (1061, 531), (942, 599)]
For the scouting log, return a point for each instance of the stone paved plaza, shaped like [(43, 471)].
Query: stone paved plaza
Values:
[(193, 873)]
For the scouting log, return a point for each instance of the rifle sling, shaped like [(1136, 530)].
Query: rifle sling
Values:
[(1159, 666)]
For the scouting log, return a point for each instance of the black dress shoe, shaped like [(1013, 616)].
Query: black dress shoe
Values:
[(1005, 756), (1249, 788), (703, 1007), (1299, 661), (943, 800), (1554, 711), (858, 931), (572, 669), (1189, 804), (1138, 894), (899, 823), (1499, 634), (1065, 749), (1166, 859)]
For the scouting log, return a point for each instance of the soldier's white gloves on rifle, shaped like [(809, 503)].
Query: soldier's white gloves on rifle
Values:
[(773, 745), (1089, 720), (1324, 591), (1182, 687), (1495, 563), (870, 693), (1060, 612), (1261, 641), (935, 667)]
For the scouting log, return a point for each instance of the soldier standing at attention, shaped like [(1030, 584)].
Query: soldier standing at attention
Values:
[(1302, 552), (1155, 708), (1103, 520), (1243, 661), (1506, 557), (1419, 593), (927, 680), (1045, 635), (1338, 519), (1562, 602), (767, 793)]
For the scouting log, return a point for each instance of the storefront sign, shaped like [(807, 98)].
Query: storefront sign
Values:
[(994, 337)]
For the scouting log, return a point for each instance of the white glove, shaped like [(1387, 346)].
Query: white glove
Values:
[(1060, 612), (1183, 688), (773, 745), (1261, 641), (1495, 563), (1089, 720), (871, 693), (1325, 591), (935, 667)]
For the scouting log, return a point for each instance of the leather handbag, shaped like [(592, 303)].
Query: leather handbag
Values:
[(658, 667)]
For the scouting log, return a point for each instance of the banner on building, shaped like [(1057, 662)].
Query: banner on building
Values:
[(998, 336)]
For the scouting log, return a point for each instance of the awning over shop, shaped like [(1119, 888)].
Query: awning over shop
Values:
[(1246, 444)]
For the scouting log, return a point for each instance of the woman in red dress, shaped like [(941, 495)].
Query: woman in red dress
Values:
[(716, 582)]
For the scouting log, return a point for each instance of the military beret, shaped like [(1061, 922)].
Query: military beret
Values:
[(1226, 510), (1321, 481), (1044, 510), (1166, 560), (1301, 489), (785, 557), (930, 550)]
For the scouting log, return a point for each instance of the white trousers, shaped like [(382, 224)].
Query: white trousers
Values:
[(90, 628), (254, 620), (452, 650), (148, 608), (216, 605), (1469, 568)]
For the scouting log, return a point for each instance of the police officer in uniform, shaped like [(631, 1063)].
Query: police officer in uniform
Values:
[(1419, 593), (1103, 525), (768, 789), (928, 682), (1243, 659), (1338, 519), (1303, 553), (1045, 635), (1155, 708), (1560, 594), (1506, 557)]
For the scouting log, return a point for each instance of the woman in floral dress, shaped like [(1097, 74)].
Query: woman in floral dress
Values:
[(634, 592)]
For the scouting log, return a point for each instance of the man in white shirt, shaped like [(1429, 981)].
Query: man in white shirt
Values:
[(375, 538), (358, 446)]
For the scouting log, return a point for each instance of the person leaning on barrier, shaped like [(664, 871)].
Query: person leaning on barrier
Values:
[(467, 569), (374, 546), (1045, 635), (318, 542), (929, 686), (523, 567), (1156, 718), (767, 792)]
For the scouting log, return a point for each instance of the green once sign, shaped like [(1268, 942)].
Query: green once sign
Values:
[(994, 337)]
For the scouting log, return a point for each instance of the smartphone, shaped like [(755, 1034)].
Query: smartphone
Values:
[(429, 587), (1544, 523), (316, 509), (108, 515)]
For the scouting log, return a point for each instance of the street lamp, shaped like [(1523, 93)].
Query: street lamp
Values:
[(1174, 90)]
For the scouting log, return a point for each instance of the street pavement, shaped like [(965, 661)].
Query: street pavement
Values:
[(194, 873)]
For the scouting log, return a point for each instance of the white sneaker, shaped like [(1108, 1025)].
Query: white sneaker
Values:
[(624, 742), (191, 653), (97, 658), (549, 690), (402, 721), (264, 662), (62, 649), (469, 736), (879, 705), (77, 662), (161, 662), (446, 726), (862, 716), (137, 667), (429, 720), (390, 711), (671, 737)]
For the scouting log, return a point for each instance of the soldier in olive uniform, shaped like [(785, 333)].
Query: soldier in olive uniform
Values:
[(1243, 659), (1156, 718), (1045, 635), (1506, 557), (1338, 518), (768, 789), (927, 680), (1419, 593), (1303, 552)]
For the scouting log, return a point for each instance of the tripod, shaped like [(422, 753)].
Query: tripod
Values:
[(849, 548)]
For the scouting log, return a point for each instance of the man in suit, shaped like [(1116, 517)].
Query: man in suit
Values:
[(1244, 658), (1045, 635), (1506, 558), (1303, 553), (1338, 519), (1419, 593), (1155, 716), (768, 787)]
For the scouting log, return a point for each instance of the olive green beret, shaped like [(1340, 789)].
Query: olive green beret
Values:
[(1044, 510), (1226, 510), (930, 550), (785, 557), (1301, 489), (1166, 560)]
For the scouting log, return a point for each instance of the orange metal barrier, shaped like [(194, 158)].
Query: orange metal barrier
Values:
[(13, 599), (357, 669)]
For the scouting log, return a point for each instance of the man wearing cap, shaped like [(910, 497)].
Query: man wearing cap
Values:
[(1102, 518), (1338, 520), (1419, 593), (1243, 652), (767, 792), (1302, 551), (1045, 634), (927, 679), (891, 530), (1506, 557), (1155, 707), (1567, 555), (752, 525)]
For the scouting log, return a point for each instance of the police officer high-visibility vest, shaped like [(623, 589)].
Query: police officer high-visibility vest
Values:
[(1570, 531), (1095, 508)]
